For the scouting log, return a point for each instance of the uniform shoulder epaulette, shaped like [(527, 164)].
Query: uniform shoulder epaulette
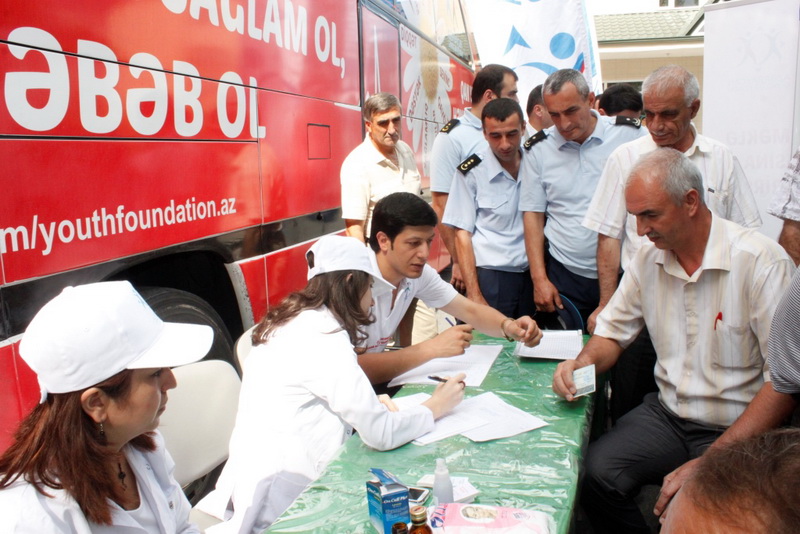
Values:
[(535, 138), (628, 121), (450, 125), (469, 164)]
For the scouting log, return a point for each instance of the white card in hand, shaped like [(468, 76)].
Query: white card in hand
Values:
[(584, 380)]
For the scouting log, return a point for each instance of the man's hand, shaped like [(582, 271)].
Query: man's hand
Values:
[(546, 297), (524, 330), (563, 385), (451, 342), (457, 280), (591, 322), (672, 483)]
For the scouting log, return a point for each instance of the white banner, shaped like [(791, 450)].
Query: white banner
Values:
[(536, 38), (749, 89)]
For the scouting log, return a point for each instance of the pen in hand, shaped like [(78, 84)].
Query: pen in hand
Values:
[(440, 379)]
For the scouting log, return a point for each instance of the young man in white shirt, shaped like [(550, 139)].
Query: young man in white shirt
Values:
[(403, 226)]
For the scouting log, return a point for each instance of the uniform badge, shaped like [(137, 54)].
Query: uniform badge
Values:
[(628, 121), (535, 138), (469, 164), (450, 125)]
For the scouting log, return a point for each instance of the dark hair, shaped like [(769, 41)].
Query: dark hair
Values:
[(339, 291), (534, 99), (490, 77), (752, 481), (501, 109), (394, 212), (379, 103), (59, 446), (620, 97)]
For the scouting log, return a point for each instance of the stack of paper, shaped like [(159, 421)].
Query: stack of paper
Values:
[(555, 345)]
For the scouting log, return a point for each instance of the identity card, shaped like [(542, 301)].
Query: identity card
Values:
[(584, 380)]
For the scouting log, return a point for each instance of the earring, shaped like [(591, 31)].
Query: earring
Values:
[(102, 430)]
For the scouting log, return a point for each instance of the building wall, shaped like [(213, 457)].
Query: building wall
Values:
[(636, 69)]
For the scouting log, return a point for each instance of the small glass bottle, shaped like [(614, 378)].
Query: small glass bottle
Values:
[(400, 528), (419, 521)]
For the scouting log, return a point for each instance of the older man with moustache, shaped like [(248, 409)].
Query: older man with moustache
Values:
[(706, 289), (380, 165)]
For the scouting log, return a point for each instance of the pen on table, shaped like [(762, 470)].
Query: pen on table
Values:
[(440, 379)]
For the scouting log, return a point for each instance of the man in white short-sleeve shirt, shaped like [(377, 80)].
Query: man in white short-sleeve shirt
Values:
[(706, 289), (670, 103), (380, 165), (403, 227)]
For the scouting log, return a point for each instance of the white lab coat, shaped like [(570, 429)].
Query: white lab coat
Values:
[(302, 394), (23, 510)]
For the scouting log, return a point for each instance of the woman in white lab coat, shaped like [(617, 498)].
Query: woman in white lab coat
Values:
[(88, 458), (303, 392)]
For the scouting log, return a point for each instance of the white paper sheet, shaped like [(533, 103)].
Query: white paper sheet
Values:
[(504, 420), (555, 345), (475, 363), (480, 418), (463, 417)]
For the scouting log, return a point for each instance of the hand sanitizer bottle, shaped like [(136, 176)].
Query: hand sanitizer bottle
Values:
[(442, 485)]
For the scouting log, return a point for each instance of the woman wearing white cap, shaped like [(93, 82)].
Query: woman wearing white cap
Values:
[(303, 392), (88, 458)]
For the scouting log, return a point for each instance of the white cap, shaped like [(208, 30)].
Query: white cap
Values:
[(339, 253), (89, 333)]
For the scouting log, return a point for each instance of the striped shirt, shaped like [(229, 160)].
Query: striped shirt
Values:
[(727, 192), (786, 202), (710, 329), (784, 342)]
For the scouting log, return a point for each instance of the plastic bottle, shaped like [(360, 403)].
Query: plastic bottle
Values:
[(419, 521), (442, 485)]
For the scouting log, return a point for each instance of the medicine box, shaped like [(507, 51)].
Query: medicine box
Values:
[(387, 498)]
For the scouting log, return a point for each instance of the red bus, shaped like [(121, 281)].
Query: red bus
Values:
[(193, 146)]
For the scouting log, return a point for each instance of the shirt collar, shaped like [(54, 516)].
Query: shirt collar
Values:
[(599, 131), (495, 168), (375, 155), (471, 120), (373, 258), (717, 255), (700, 143)]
